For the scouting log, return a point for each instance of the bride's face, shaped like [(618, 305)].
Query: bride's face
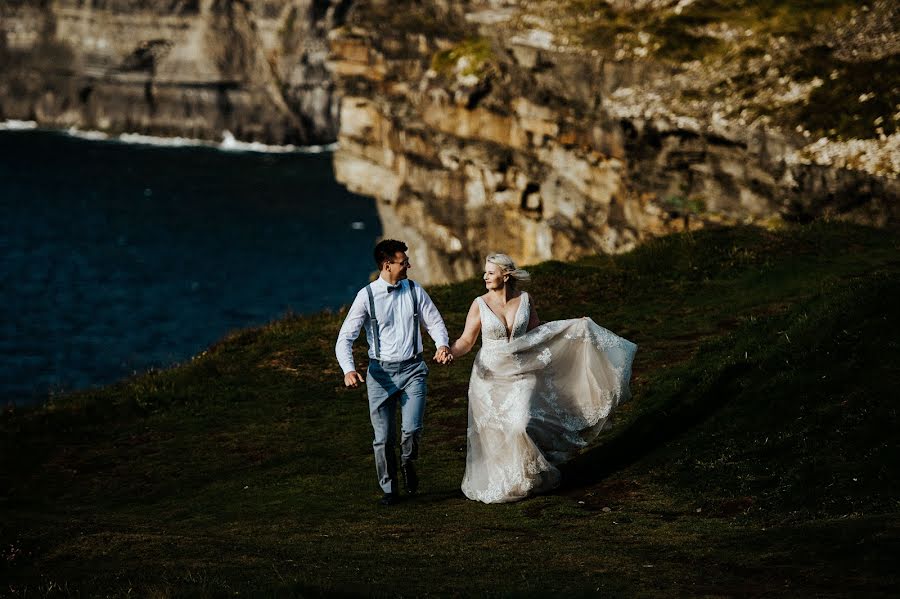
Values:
[(494, 277)]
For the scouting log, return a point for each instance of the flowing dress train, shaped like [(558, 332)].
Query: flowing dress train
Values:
[(537, 397)]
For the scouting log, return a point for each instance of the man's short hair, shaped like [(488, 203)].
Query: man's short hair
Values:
[(386, 249)]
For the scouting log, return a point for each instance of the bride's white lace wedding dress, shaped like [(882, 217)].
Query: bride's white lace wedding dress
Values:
[(535, 398)]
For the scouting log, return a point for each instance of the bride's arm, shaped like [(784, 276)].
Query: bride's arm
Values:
[(464, 344)]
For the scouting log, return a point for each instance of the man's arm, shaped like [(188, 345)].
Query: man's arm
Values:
[(435, 326), (356, 318)]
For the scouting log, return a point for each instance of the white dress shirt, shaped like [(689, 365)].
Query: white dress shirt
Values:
[(394, 312)]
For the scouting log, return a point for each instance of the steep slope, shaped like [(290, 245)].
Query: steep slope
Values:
[(757, 455)]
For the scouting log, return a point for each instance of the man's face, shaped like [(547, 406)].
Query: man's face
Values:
[(398, 265)]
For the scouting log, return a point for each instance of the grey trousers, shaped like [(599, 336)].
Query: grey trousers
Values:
[(389, 384)]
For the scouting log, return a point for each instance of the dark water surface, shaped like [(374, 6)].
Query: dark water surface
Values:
[(115, 258)]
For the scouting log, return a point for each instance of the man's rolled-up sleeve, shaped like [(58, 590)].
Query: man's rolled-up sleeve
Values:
[(434, 324)]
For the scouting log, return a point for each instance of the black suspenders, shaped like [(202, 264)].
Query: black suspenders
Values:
[(374, 317), (416, 325), (374, 321)]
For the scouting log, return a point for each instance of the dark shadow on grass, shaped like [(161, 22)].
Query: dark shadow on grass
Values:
[(654, 429), (434, 497)]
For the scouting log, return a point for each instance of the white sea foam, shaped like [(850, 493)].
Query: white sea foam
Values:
[(228, 143), (91, 135), (13, 125)]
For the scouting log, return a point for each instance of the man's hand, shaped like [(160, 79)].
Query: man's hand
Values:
[(443, 355), (353, 379)]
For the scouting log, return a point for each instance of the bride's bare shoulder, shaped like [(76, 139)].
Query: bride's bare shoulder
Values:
[(474, 312)]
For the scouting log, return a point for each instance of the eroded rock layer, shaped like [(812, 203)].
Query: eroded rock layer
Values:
[(193, 68), (479, 132)]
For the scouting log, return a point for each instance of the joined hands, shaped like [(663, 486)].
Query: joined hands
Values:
[(443, 355)]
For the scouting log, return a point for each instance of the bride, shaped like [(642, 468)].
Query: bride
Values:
[(538, 392)]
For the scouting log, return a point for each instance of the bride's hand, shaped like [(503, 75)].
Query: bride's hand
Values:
[(443, 355)]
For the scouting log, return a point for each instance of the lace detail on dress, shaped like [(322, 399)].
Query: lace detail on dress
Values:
[(610, 343), (536, 397), (523, 315), (494, 329)]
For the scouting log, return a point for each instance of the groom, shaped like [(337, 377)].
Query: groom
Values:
[(391, 309)]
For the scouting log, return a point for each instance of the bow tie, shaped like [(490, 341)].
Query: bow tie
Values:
[(396, 287)]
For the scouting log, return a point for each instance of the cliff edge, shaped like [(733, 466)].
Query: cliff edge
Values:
[(554, 129)]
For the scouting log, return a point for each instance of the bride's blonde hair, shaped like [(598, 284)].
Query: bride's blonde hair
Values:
[(516, 275)]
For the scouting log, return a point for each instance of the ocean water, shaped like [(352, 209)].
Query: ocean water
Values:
[(118, 257)]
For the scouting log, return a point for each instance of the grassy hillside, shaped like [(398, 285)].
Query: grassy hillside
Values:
[(829, 67), (758, 454)]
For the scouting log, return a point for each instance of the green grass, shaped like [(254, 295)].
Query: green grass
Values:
[(408, 17), (757, 456), (833, 109), (798, 21), (773, 17), (476, 51)]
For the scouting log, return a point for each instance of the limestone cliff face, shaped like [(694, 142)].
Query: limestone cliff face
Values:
[(190, 68), (546, 129), (478, 131)]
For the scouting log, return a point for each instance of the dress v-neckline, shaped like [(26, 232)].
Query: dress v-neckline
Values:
[(502, 321)]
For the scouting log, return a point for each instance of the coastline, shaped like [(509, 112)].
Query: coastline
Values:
[(228, 143), (122, 256)]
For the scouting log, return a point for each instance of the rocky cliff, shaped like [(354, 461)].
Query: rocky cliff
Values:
[(172, 67), (554, 129), (547, 129)]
